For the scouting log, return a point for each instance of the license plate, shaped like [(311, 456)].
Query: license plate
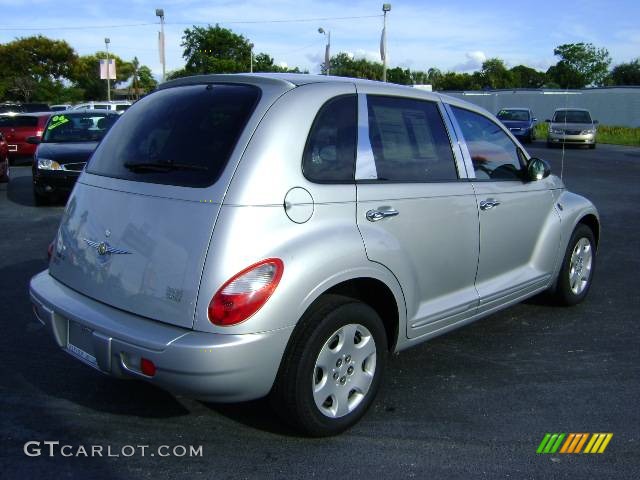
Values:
[(13, 148), (80, 343)]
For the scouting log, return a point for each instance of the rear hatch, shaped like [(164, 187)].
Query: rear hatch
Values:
[(17, 128), (137, 227)]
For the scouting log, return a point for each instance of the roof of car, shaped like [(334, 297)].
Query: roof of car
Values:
[(572, 109)]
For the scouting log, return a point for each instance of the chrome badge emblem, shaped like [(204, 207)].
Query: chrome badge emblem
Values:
[(104, 248)]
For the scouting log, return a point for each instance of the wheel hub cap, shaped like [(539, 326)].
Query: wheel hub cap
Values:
[(580, 266), (344, 370)]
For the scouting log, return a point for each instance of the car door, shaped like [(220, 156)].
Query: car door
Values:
[(519, 225), (416, 212)]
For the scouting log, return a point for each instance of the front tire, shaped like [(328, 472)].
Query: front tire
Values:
[(333, 367), (578, 267)]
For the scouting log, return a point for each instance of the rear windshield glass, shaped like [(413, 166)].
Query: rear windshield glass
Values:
[(572, 116), (78, 127), (18, 121), (179, 136)]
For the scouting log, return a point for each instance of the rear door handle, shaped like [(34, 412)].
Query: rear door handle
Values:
[(489, 203), (380, 213)]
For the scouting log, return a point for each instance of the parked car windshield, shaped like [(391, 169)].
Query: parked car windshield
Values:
[(516, 115), (77, 127), (177, 136), (571, 116)]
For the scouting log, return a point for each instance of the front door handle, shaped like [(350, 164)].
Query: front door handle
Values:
[(380, 213), (488, 204)]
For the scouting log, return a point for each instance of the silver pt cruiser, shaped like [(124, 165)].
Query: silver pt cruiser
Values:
[(237, 236)]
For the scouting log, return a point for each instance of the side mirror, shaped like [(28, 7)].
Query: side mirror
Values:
[(534, 120), (547, 121), (33, 140), (537, 169), (596, 122)]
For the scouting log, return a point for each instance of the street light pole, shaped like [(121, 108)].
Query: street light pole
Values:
[(386, 7), (327, 50), (251, 61), (160, 13), (106, 43)]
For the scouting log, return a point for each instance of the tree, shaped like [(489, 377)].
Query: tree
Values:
[(263, 62), (494, 74), (625, 74), (215, 50), (580, 64), (31, 65), (86, 74), (526, 77), (344, 65)]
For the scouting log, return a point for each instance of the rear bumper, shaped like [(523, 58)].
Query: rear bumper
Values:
[(207, 366)]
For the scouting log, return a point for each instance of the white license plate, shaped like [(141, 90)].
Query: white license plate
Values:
[(80, 343)]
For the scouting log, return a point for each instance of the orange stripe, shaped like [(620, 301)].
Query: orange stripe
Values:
[(575, 442), (596, 445), (606, 442), (567, 442), (584, 439), (594, 436)]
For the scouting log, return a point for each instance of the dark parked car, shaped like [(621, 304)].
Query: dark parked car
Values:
[(520, 121), (69, 140), (16, 128), (4, 159)]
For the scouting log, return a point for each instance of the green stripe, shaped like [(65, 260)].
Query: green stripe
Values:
[(550, 443), (543, 443), (558, 442)]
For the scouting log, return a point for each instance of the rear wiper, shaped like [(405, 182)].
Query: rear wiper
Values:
[(162, 166)]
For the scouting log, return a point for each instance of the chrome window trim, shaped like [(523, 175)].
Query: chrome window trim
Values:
[(454, 140), (365, 163), (462, 143)]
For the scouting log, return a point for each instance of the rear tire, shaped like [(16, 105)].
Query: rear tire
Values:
[(333, 366), (578, 266), (5, 178), (592, 146)]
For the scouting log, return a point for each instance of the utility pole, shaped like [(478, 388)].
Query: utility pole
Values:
[(106, 43), (327, 50), (160, 13), (386, 7), (251, 61)]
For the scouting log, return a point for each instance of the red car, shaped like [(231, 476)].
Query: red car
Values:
[(4, 159), (16, 128)]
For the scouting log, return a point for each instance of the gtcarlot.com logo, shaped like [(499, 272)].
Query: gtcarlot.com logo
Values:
[(574, 443), (53, 448)]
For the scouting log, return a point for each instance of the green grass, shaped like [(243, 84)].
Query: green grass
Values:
[(606, 134)]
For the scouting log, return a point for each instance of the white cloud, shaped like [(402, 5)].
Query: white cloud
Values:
[(474, 62)]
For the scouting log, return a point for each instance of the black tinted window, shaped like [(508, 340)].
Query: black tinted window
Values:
[(572, 116), (178, 136), (330, 152), (494, 155), (18, 121), (409, 140)]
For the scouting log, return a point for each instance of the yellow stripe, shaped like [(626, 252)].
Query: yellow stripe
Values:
[(596, 445), (567, 442), (593, 439), (584, 439), (606, 442), (575, 442)]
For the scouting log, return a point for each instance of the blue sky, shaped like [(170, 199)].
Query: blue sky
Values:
[(450, 35)]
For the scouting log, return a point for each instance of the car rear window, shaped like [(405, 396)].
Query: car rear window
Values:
[(180, 136), (18, 121)]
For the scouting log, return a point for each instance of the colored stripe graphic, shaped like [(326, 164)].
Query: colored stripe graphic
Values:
[(574, 443)]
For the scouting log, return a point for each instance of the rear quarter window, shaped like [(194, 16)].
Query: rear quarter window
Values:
[(179, 136)]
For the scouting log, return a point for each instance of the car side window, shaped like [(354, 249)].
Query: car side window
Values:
[(330, 153), (493, 153), (409, 141)]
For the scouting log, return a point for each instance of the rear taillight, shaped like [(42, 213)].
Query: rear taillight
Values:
[(39, 133), (245, 293)]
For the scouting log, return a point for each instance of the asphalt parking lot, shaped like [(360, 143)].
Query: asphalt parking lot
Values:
[(471, 404)]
